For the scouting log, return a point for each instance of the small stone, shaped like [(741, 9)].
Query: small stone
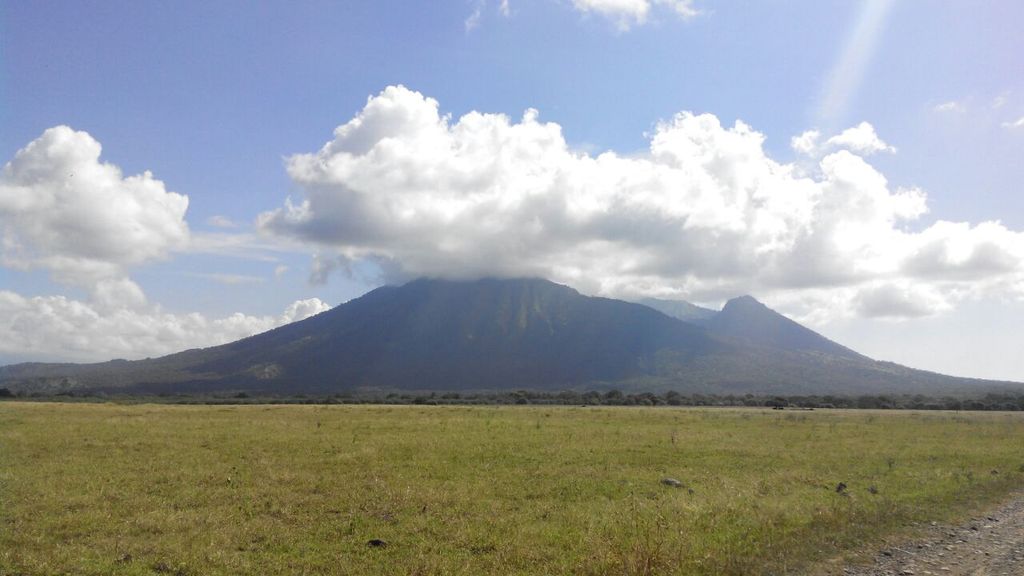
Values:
[(672, 482), (376, 543)]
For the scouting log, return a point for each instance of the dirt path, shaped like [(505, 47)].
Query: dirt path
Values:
[(988, 545)]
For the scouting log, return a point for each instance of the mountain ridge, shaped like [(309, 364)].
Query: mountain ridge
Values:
[(497, 334)]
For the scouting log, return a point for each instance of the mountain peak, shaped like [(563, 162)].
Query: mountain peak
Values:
[(744, 302), (502, 334), (745, 318)]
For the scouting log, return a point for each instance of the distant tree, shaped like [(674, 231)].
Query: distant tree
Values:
[(5, 393), (673, 398), (613, 397)]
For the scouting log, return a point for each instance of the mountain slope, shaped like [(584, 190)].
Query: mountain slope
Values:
[(680, 309), (453, 335), (506, 334), (750, 321)]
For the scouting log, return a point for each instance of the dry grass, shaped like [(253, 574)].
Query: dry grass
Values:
[(110, 489)]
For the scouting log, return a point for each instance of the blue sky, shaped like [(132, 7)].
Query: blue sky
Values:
[(214, 99)]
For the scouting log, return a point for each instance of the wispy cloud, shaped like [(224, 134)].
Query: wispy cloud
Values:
[(473, 20), (950, 106), (628, 13), (229, 279), (219, 221), (1018, 123)]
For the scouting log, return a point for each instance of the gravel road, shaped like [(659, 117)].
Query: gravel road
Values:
[(988, 545)]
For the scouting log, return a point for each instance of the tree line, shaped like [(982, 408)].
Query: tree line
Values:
[(1005, 401)]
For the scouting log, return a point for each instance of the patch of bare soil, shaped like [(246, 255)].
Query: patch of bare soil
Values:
[(991, 544)]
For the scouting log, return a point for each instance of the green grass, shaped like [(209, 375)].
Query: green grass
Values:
[(111, 489)]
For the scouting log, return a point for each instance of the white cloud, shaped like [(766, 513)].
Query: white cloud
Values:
[(624, 13), (1018, 123), (628, 13), (504, 9), (951, 106), (64, 211), (219, 221), (806, 143), (704, 213), (58, 328), (684, 8), (861, 139), (473, 20), (302, 309)]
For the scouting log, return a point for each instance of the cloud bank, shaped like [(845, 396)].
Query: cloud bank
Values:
[(59, 328), (703, 214)]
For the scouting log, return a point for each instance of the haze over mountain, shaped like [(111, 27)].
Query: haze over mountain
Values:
[(507, 334), (680, 309)]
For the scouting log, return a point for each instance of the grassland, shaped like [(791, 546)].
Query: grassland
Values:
[(111, 489)]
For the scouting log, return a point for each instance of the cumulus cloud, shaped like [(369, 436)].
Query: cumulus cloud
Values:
[(704, 213), (861, 139), (56, 327), (65, 211), (806, 143)]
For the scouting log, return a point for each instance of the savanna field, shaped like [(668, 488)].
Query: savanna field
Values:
[(262, 489)]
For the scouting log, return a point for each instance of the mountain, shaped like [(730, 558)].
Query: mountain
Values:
[(680, 309), (748, 320), (505, 334)]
